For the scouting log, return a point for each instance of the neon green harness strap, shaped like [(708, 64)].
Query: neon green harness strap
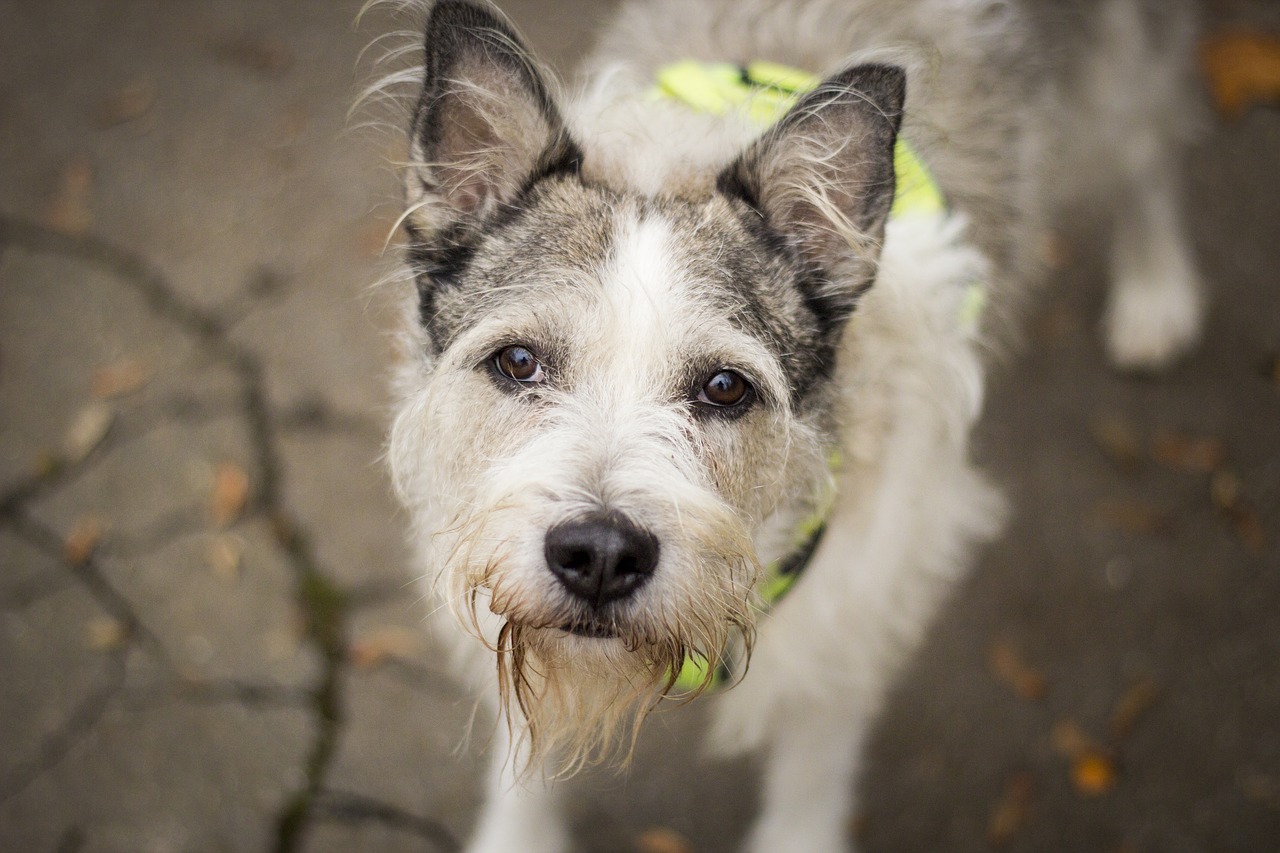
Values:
[(765, 91), (779, 576)]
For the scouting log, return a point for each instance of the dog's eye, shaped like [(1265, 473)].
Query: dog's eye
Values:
[(725, 389), (519, 364)]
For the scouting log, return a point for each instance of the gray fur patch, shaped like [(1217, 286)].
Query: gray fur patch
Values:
[(544, 259)]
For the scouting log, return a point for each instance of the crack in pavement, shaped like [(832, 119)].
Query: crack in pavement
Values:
[(57, 471), (23, 595), (177, 688), (350, 807), (43, 538), (220, 692), (323, 604), (55, 746)]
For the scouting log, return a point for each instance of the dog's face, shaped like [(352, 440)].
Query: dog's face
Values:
[(619, 405)]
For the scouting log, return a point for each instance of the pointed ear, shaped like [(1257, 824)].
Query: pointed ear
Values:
[(485, 125), (823, 177)]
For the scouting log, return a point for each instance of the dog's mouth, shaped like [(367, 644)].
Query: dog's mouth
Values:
[(592, 629)]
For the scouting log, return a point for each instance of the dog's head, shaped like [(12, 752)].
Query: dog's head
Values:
[(619, 404)]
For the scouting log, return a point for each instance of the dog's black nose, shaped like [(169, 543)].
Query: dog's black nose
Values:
[(601, 557)]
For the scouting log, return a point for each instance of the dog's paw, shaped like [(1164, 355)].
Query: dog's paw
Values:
[(522, 844), (1152, 321), (770, 837), (536, 836)]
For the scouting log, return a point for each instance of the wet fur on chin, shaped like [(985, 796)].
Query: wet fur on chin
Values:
[(578, 701)]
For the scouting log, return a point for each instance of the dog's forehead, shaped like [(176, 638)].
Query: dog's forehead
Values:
[(637, 270), (675, 270)]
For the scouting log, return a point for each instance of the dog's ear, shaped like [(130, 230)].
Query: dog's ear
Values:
[(485, 126), (823, 178)]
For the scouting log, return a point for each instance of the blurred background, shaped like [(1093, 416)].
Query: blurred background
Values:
[(207, 638)]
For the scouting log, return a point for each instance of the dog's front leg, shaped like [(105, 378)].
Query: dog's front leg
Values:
[(520, 815), (808, 783)]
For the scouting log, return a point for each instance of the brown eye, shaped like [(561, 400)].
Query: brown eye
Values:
[(519, 364), (725, 389)]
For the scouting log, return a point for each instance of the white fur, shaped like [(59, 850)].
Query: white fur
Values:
[(1155, 308), (826, 657)]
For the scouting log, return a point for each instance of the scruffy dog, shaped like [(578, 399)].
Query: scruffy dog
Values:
[(670, 357)]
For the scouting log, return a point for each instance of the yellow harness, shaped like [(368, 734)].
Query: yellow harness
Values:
[(764, 91)]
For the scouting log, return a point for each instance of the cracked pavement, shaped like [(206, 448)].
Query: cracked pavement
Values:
[(207, 634)]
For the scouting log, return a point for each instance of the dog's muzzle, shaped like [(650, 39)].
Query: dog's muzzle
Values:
[(601, 558)]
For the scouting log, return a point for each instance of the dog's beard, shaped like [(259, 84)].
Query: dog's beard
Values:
[(574, 685), (577, 701)]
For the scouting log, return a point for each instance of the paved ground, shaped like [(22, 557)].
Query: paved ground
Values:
[(205, 634)]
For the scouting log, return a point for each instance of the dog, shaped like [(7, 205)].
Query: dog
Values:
[(694, 354)]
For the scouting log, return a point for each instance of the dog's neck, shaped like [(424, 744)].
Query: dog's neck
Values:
[(780, 575)]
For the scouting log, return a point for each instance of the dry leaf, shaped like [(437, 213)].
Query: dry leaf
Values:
[(1132, 706), (1012, 809), (1243, 69), (1260, 788), (1071, 741), (224, 556), (127, 103), (1093, 773), (230, 493), (68, 210), (90, 427), (1007, 665), (105, 633), (1248, 527), (662, 840), (83, 540), (382, 645), (120, 378), (1092, 765), (1271, 370), (1119, 440), (1133, 517), (1203, 454), (267, 56), (1227, 493), (1225, 490)]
